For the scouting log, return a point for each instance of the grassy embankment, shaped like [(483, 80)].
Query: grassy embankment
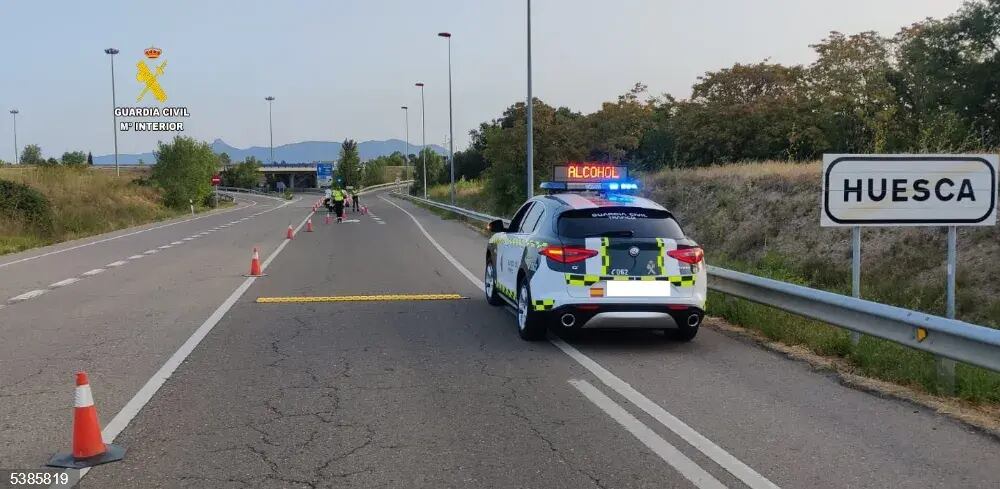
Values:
[(763, 219), (83, 202)]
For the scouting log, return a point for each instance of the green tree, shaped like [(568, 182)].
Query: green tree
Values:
[(435, 169), (74, 158), (90, 158), (471, 162), (349, 164), (615, 131), (32, 155), (183, 169), (245, 174), (225, 160)]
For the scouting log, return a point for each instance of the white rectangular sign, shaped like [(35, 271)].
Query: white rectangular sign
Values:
[(909, 190)]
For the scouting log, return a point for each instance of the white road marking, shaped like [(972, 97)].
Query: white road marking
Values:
[(116, 264), (381, 222), (63, 283), (726, 460), (189, 238), (150, 252), (669, 453), (141, 398), (175, 243), (164, 247), (135, 257), (27, 295), (105, 240), (91, 273)]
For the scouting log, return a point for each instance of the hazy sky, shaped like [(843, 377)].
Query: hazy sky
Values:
[(341, 69)]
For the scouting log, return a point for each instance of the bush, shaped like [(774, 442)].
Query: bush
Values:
[(184, 170), (23, 204)]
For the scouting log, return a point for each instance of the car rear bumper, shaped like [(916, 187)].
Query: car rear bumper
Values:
[(624, 316)]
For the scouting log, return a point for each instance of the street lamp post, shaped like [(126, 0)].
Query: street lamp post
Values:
[(270, 125), (423, 130), (13, 113), (114, 105), (451, 127), (406, 154), (530, 116)]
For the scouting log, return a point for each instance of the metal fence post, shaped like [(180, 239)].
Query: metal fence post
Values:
[(856, 273), (946, 366)]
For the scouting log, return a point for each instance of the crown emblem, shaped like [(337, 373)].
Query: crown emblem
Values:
[(153, 53)]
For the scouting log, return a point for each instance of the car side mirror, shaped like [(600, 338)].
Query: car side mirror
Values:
[(496, 226)]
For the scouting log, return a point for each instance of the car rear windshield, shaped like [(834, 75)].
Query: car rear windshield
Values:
[(643, 223)]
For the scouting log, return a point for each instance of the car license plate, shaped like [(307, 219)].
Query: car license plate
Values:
[(637, 289)]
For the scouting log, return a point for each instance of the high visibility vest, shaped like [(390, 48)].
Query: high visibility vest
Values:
[(338, 195)]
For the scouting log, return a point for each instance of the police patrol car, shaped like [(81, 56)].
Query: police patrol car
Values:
[(591, 255)]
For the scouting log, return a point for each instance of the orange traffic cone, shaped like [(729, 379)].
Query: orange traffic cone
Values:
[(89, 448), (290, 233), (309, 226), (255, 265)]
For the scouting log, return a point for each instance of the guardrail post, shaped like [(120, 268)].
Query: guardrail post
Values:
[(946, 366), (856, 273)]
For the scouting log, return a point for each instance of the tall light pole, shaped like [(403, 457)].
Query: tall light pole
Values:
[(114, 105), (451, 127), (13, 113), (406, 154), (423, 130), (270, 125), (530, 116)]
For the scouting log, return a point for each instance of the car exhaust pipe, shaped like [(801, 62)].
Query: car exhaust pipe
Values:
[(568, 320), (694, 320)]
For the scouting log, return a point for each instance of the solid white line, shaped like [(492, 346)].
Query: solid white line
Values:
[(135, 257), (189, 238), (175, 243), (145, 394), (105, 240), (27, 295), (91, 273), (742, 471), (669, 453), (63, 283), (733, 465), (116, 264), (163, 247), (150, 252)]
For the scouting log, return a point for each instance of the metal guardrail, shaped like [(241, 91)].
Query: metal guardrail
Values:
[(950, 338)]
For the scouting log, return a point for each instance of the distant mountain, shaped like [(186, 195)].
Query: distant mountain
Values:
[(304, 152)]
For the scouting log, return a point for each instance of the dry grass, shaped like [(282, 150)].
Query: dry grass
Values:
[(84, 202)]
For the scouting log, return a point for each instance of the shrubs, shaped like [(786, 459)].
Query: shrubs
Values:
[(184, 169), (26, 206)]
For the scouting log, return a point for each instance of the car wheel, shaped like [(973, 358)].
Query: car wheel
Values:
[(682, 333), (529, 326), (490, 284)]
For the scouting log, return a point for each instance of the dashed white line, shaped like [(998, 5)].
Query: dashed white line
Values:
[(91, 273), (27, 295), (135, 257), (63, 283), (116, 264), (150, 252), (175, 243), (164, 247), (189, 238)]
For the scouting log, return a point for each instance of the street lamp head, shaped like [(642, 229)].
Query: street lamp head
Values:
[(419, 84), (111, 51), (269, 98), (14, 111), (405, 108), (444, 34)]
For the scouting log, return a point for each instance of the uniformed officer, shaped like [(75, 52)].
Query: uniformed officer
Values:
[(337, 195), (354, 199)]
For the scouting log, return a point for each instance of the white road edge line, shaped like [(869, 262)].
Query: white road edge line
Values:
[(27, 295), (175, 243), (135, 257), (116, 264), (91, 273), (63, 283), (145, 394), (669, 453), (727, 461), (56, 252)]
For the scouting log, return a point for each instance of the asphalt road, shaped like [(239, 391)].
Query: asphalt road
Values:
[(420, 393)]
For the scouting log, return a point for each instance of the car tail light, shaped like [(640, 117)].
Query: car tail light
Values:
[(691, 256), (567, 254)]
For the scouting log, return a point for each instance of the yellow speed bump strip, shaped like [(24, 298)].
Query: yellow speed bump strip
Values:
[(361, 298)]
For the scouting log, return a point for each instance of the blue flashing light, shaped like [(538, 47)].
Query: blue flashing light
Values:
[(614, 186)]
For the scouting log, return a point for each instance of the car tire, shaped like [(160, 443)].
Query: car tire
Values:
[(529, 325), (490, 284), (683, 333)]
